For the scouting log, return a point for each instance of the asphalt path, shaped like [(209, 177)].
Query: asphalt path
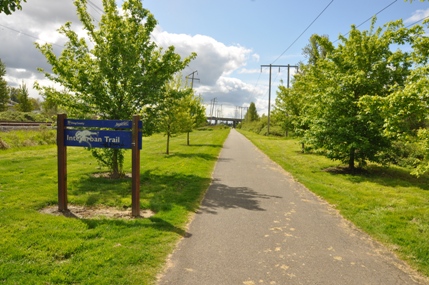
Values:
[(256, 225)]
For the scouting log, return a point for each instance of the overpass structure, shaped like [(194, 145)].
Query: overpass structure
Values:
[(216, 120)]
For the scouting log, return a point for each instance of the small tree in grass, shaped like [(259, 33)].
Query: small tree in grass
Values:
[(25, 103), (251, 114), (116, 73), (196, 114)]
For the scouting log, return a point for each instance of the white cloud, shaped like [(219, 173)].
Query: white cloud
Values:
[(217, 63), (417, 16), (214, 59)]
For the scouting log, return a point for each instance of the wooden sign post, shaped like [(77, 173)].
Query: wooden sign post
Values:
[(93, 133)]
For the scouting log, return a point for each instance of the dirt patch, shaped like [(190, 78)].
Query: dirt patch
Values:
[(82, 212), (109, 175)]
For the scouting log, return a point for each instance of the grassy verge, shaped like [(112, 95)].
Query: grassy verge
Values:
[(38, 248), (25, 138), (388, 203)]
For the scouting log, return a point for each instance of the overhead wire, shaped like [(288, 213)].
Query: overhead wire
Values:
[(36, 38), (370, 18), (412, 24), (320, 14), (25, 34)]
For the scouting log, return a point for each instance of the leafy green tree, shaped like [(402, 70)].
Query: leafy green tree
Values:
[(361, 66), (36, 105), (313, 50), (4, 96), (119, 74), (171, 111), (405, 110), (25, 104), (196, 114), (251, 114), (9, 6), (13, 94), (49, 107), (288, 108)]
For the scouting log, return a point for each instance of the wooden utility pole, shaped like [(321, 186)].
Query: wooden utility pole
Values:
[(269, 88)]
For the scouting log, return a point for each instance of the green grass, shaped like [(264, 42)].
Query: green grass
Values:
[(388, 203), (38, 248), (24, 138)]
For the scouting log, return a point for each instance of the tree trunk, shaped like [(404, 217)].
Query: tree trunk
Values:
[(168, 143), (115, 164), (188, 138), (352, 159)]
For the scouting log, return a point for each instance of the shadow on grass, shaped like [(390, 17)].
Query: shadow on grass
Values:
[(386, 176), (226, 197), (158, 192), (206, 145), (152, 222), (192, 155)]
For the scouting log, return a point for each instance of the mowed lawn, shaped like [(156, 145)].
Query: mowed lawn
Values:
[(39, 248), (386, 202)]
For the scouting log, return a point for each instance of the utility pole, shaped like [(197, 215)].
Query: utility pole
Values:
[(269, 88), (193, 78)]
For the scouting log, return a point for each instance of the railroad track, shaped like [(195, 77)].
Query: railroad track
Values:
[(8, 125)]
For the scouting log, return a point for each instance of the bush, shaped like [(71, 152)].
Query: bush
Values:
[(16, 116)]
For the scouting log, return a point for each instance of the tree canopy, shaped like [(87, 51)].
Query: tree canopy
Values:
[(9, 6), (25, 103), (4, 93), (342, 91), (116, 73), (251, 114)]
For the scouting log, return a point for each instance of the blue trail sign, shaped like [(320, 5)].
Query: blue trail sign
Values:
[(93, 133), (84, 137), (99, 139)]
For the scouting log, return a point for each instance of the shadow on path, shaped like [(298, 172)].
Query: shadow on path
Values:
[(226, 197)]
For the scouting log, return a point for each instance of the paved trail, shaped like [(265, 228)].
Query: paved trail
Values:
[(257, 226)]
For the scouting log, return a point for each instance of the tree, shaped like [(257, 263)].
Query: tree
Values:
[(4, 96), (172, 112), (196, 114), (35, 103), (361, 66), (313, 50), (405, 110), (288, 108), (25, 104), (251, 114), (9, 6), (121, 75), (13, 94)]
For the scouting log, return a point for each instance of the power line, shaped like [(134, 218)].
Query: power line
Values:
[(303, 32), (22, 33), (370, 18), (377, 13), (100, 11), (417, 22)]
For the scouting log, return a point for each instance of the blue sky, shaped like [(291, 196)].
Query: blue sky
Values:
[(273, 31), (232, 38)]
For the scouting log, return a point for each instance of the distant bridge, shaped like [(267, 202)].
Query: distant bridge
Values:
[(234, 121)]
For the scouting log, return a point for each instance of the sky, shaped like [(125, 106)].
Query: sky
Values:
[(235, 40)]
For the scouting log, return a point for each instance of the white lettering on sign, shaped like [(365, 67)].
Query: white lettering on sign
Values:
[(121, 124), (112, 140), (71, 123), (85, 136)]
